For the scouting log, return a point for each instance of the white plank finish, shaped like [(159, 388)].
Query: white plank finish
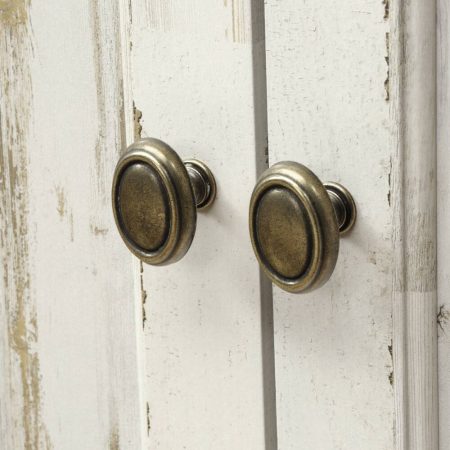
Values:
[(98, 352), (68, 358), (413, 89), (198, 79), (443, 208), (344, 100)]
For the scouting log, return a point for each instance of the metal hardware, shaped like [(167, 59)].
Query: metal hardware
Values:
[(155, 197), (295, 224)]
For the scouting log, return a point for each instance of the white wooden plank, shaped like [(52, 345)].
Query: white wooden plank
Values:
[(68, 344), (19, 387), (413, 68), (334, 103), (443, 212), (413, 89), (198, 81)]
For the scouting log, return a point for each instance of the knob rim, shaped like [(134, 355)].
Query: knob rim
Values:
[(181, 202), (324, 231)]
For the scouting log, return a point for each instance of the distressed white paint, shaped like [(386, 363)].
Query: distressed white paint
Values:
[(331, 107), (197, 72), (443, 208), (413, 71), (70, 335), (69, 376)]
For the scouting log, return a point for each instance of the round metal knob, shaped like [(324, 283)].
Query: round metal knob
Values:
[(295, 223), (155, 197)]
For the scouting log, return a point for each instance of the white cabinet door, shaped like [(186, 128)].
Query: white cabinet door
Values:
[(96, 350), (351, 94), (198, 82), (100, 351)]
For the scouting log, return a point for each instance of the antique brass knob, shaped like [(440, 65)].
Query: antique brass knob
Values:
[(295, 223), (155, 197)]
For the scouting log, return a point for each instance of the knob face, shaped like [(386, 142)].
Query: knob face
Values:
[(143, 207), (293, 227), (153, 202)]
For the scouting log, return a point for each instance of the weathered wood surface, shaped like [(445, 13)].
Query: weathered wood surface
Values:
[(356, 360), (413, 114), (68, 375), (198, 80), (443, 209), (98, 352)]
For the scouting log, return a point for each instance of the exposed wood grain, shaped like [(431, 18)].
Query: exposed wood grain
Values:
[(20, 392), (68, 342), (413, 89), (443, 214), (198, 79)]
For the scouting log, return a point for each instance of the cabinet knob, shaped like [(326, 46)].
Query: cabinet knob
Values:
[(295, 223), (155, 198)]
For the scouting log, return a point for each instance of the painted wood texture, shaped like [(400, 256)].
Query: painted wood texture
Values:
[(351, 95), (198, 81), (443, 209), (413, 89), (68, 369)]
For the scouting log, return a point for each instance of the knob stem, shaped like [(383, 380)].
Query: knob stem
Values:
[(202, 182), (343, 205), (339, 208)]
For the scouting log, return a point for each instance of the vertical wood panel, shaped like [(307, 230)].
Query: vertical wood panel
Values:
[(20, 391), (351, 94), (443, 202), (197, 81), (328, 108), (413, 87), (68, 344)]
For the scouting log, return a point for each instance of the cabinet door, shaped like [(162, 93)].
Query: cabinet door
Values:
[(197, 82), (98, 351), (68, 361), (351, 94)]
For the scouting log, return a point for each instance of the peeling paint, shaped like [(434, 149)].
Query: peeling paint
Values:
[(101, 100), (114, 439), (61, 201), (386, 81), (97, 231), (148, 420), (63, 209), (137, 116), (13, 13), (391, 378), (107, 60), (143, 295), (443, 318), (389, 182), (391, 373), (386, 9), (22, 365)]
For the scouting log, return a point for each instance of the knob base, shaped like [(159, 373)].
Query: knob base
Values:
[(203, 183), (343, 204)]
